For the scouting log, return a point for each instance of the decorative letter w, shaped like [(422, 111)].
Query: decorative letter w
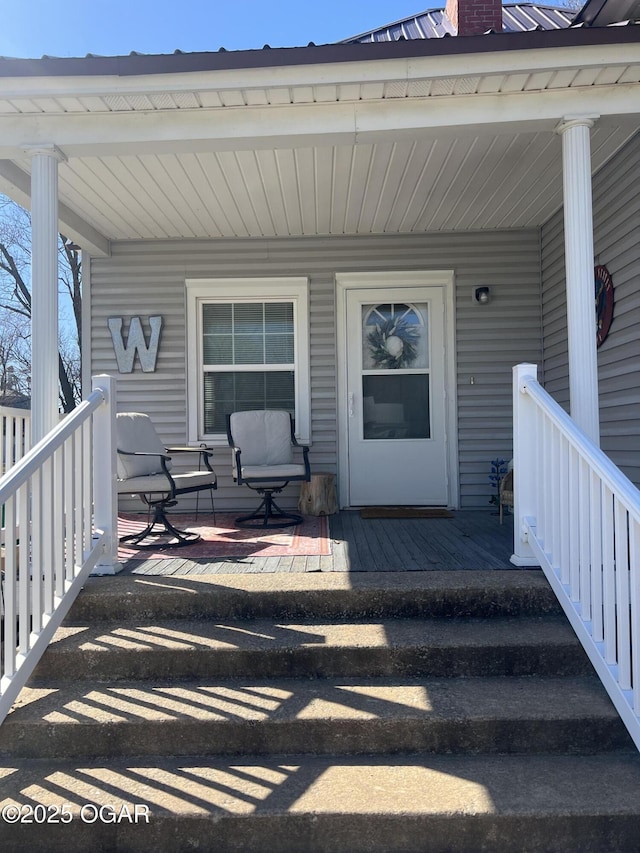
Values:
[(135, 341)]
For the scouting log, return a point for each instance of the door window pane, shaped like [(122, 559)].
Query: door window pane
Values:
[(394, 336), (395, 406)]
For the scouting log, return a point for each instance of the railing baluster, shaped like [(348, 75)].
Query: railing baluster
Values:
[(22, 534), (595, 497), (574, 523), (10, 591), (547, 490), (546, 463), (541, 459), (78, 508), (37, 584), (608, 579), (634, 571), (622, 595), (565, 520), (554, 495), (69, 510), (87, 484), (48, 566), (562, 483), (7, 444), (584, 562), (59, 522)]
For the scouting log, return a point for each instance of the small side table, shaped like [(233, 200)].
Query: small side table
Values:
[(318, 496)]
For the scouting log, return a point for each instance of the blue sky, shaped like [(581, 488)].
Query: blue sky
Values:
[(78, 27)]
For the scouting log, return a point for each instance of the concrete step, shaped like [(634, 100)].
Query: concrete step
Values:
[(321, 595), (259, 648), (323, 716), (317, 713), (282, 804)]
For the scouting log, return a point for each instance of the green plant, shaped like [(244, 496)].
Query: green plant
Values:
[(498, 471)]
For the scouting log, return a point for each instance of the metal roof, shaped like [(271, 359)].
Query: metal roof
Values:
[(601, 13), (434, 23)]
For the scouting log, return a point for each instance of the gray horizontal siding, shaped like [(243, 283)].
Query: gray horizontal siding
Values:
[(143, 278), (616, 211)]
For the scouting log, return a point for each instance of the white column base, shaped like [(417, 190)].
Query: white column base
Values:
[(106, 569), (524, 562)]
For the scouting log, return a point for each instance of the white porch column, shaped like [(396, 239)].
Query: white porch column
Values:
[(578, 241), (44, 289)]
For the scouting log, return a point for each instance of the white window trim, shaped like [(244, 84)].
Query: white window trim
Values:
[(281, 289)]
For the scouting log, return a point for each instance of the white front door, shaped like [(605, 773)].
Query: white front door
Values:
[(395, 395)]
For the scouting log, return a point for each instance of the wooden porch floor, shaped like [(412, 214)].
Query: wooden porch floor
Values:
[(469, 541)]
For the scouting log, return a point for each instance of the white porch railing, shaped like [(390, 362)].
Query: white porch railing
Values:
[(60, 525), (578, 517), (16, 435)]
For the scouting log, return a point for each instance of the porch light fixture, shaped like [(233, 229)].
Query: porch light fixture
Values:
[(482, 295)]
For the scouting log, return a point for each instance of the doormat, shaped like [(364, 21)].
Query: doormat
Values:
[(309, 539), (405, 512)]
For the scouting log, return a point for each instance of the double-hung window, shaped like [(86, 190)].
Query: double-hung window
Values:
[(247, 348)]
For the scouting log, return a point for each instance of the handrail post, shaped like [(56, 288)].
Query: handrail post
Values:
[(524, 464), (105, 496)]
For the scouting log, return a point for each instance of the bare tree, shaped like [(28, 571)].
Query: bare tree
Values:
[(15, 355), (15, 297)]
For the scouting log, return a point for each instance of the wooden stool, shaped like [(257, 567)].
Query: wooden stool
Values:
[(506, 493), (318, 496)]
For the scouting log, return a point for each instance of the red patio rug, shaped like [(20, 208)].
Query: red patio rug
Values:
[(309, 539)]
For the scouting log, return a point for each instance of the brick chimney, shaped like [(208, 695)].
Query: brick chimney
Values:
[(473, 17)]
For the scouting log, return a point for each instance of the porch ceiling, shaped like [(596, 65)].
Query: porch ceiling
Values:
[(354, 148), (449, 183)]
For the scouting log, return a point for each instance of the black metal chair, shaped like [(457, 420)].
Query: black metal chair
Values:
[(144, 469), (263, 443)]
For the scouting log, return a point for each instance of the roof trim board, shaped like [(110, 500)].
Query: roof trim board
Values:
[(27, 95), (145, 64)]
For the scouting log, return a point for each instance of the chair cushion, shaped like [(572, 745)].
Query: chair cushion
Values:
[(272, 472), (135, 432), (156, 483), (144, 485), (193, 480), (263, 436)]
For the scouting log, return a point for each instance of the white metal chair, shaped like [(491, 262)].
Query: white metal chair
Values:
[(144, 466), (263, 443)]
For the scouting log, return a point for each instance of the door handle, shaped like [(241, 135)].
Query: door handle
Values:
[(351, 404)]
